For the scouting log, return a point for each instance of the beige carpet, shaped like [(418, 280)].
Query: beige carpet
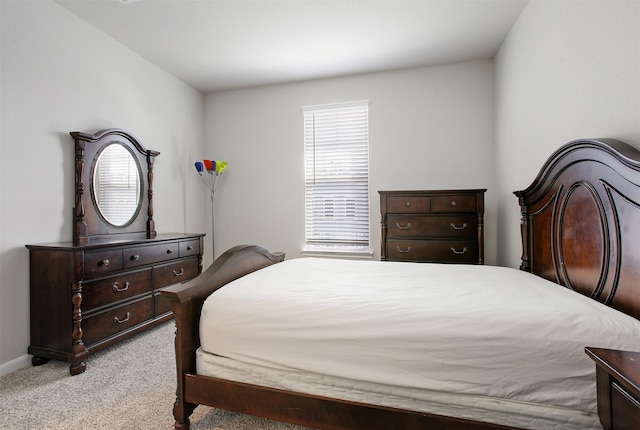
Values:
[(128, 386)]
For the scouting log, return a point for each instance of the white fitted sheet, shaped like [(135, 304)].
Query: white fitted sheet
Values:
[(465, 329)]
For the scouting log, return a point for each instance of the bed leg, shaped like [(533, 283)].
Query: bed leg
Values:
[(182, 426), (181, 413)]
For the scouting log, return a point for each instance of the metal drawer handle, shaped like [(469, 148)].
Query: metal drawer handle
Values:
[(104, 262), (403, 251), (135, 257), (117, 289), (408, 226), (169, 251), (189, 248), (455, 227), (464, 250), (119, 321), (408, 204), (180, 273), (453, 203)]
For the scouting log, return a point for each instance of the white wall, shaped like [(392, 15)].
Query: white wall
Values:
[(430, 128), (568, 70), (58, 74)]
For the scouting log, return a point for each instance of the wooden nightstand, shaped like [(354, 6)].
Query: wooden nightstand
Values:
[(618, 381)]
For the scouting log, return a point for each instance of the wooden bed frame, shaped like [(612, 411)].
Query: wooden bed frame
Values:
[(580, 228)]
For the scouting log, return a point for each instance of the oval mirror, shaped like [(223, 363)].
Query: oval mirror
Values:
[(116, 184)]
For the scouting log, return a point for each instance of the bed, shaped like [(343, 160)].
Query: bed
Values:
[(342, 344)]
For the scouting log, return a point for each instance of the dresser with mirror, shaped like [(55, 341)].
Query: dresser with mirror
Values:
[(102, 287)]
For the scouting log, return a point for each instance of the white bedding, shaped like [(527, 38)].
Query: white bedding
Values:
[(494, 331)]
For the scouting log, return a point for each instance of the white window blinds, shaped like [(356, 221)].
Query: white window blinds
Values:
[(336, 148)]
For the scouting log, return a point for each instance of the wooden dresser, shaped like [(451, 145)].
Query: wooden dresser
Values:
[(432, 226), (87, 296)]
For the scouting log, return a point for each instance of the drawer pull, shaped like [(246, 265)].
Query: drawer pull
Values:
[(135, 257), (117, 289), (169, 251), (406, 227), (189, 248), (464, 250), (403, 251), (455, 227), (104, 262), (119, 321), (408, 204), (180, 273), (453, 203)]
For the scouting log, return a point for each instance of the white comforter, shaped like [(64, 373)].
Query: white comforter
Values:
[(485, 330)]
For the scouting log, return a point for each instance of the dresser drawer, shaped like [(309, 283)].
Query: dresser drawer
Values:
[(106, 291), (455, 251), (454, 203), (189, 248), (625, 409), (408, 204), (103, 325), (143, 255), (454, 226), (102, 262), (175, 272)]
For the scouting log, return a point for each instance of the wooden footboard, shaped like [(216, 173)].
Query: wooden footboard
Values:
[(187, 300)]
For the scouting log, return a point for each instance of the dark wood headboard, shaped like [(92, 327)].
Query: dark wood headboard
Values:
[(581, 222)]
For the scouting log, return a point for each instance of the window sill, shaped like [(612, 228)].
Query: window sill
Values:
[(338, 253)]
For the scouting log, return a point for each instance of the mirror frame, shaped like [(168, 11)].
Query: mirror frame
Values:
[(88, 222)]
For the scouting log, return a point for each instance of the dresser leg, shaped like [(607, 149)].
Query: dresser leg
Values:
[(38, 361), (76, 369)]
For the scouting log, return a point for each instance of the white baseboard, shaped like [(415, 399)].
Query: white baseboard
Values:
[(15, 364)]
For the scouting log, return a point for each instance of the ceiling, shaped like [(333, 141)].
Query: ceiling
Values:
[(216, 45)]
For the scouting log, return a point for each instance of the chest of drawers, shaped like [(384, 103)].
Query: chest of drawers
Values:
[(85, 297), (432, 226)]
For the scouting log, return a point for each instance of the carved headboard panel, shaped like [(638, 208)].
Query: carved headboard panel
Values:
[(581, 222)]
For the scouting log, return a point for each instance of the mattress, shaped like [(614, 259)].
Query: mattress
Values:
[(474, 407), (468, 330)]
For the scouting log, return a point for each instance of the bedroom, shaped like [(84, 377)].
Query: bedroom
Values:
[(566, 70)]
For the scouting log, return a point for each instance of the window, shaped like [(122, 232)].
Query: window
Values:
[(336, 166)]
